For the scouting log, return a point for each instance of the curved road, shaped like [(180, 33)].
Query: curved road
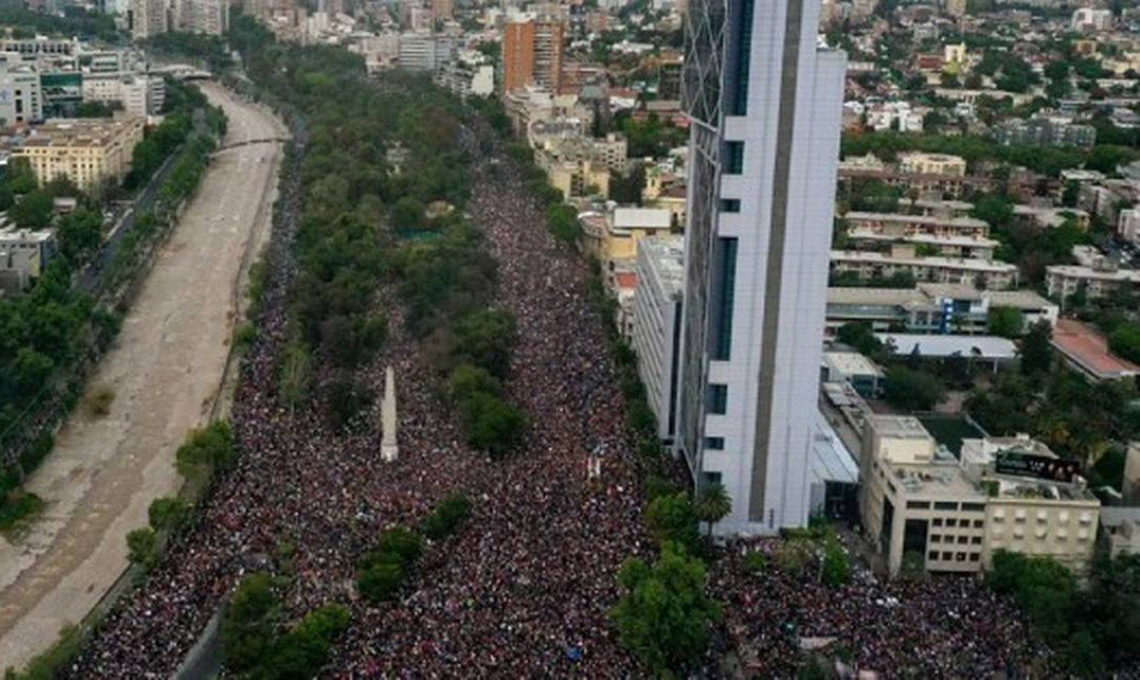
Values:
[(165, 371)]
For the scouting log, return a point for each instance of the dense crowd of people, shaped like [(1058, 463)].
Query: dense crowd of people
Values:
[(938, 627), (524, 588)]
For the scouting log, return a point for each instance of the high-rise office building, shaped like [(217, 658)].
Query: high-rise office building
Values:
[(764, 103), (532, 54)]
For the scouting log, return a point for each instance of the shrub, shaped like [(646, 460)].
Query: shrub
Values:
[(141, 545), (168, 512), (403, 543), (446, 517), (381, 580), (672, 518)]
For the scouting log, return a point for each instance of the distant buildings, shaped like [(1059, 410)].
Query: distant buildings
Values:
[(1088, 19), (1044, 132), (148, 18), (86, 151)]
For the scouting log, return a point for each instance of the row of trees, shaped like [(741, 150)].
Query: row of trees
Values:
[(384, 570), (1048, 161), (1093, 628), (259, 642), (51, 329), (378, 155)]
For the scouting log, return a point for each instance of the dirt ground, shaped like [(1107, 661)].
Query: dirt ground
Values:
[(164, 371)]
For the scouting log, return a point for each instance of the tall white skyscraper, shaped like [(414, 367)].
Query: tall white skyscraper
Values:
[(765, 104)]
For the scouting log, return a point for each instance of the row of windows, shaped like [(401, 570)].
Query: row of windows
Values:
[(959, 557), (961, 540), (946, 505), (951, 522)]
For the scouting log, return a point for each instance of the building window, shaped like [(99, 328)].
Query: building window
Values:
[(738, 89), (730, 205), (724, 298), (962, 540), (961, 557), (935, 538), (945, 505), (714, 443), (712, 478), (976, 540), (973, 507), (932, 555), (951, 522), (974, 557), (918, 505), (947, 556), (937, 521), (718, 399), (733, 158), (978, 524)]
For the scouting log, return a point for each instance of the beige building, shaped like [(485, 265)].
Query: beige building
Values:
[(1063, 280), (932, 164), (896, 224), (903, 259), (86, 151), (924, 508)]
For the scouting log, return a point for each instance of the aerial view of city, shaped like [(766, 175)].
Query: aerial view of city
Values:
[(773, 339)]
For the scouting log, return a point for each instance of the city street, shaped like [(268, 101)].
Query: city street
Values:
[(164, 371)]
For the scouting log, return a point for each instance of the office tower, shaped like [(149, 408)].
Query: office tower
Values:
[(532, 54), (764, 104)]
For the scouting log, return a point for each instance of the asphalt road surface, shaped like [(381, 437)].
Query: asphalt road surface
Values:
[(165, 372)]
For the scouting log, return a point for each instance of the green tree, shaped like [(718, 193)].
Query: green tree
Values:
[(664, 616), (447, 516), (713, 504), (141, 544), (1006, 322), (402, 542), (911, 389), (492, 425), (672, 518), (167, 512), (33, 211), (860, 336), (381, 580), (248, 623), (1037, 349), (836, 569)]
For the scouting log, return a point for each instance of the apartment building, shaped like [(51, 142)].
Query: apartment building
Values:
[(86, 151), (916, 163), (613, 236), (24, 254), (903, 260), (903, 225), (21, 97), (945, 246), (932, 308), (657, 324), (927, 509), (532, 54), (1103, 280)]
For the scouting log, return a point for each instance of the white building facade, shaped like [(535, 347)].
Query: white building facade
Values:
[(764, 103), (657, 324)]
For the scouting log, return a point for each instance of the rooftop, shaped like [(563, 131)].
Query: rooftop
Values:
[(939, 345), (1086, 348), (972, 264), (851, 363), (934, 220)]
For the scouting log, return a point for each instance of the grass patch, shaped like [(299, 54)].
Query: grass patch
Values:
[(98, 402)]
